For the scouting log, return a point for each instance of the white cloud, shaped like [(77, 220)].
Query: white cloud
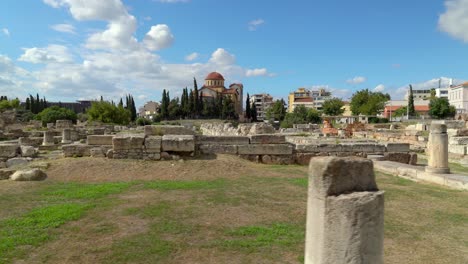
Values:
[(254, 24), (191, 57), (159, 37), (256, 72), (65, 28), (379, 88), (13, 79), (454, 20), (357, 80), (222, 57), (6, 32), (50, 54)]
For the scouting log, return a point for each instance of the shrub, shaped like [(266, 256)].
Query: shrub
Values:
[(54, 113), (107, 112)]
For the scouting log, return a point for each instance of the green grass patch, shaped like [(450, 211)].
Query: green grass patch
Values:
[(84, 191), (148, 248), (185, 185), (34, 227), (303, 182), (250, 238)]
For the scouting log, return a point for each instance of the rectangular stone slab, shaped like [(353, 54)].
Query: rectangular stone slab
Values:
[(99, 140), (265, 149), (178, 143), (267, 139), (222, 140)]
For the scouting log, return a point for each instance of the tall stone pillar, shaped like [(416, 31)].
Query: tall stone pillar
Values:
[(438, 150), (48, 138), (345, 212), (66, 136)]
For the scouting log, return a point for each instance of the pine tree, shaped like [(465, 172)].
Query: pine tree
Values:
[(120, 102), (196, 106), (191, 105), (411, 110), (163, 105), (247, 107)]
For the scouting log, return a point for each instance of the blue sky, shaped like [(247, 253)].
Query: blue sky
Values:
[(81, 49)]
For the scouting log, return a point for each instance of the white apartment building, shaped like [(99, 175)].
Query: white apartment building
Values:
[(262, 103), (458, 97), (419, 94)]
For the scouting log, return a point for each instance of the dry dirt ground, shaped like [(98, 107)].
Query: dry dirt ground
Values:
[(216, 210)]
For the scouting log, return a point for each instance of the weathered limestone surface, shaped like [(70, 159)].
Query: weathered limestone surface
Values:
[(345, 212), (267, 139), (265, 149), (457, 149), (438, 150), (222, 140), (66, 136), (153, 144), (76, 150), (217, 149), (61, 124), (9, 151), (167, 130), (99, 140), (29, 175), (401, 157), (31, 141), (397, 147), (17, 162), (178, 143), (48, 138), (128, 147), (227, 129), (6, 173), (458, 140)]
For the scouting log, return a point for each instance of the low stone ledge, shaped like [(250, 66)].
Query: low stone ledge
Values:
[(222, 140), (217, 149), (77, 150), (99, 140), (268, 139), (265, 149), (397, 147), (31, 141), (178, 143), (152, 130)]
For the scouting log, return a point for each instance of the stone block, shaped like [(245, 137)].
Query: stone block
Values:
[(178, 143), (329, 147), (76, 150), (217, 149), (153, 130), (303, 158), (28, 151), (61, 124), (31, 141), (277, 159), (121, 143), (97, 153), (397, 147), (267, 139), (458, 140), (13, 162), (153, 144), (457, 149), (400, 157), (9, 150), (306, 148), (99, 140), (345, 212), (222, 140), (29, 175), (265, 149)]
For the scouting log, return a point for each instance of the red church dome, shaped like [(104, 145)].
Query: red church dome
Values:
[(214, 76)]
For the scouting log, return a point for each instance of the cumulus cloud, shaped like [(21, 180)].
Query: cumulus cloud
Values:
[(159, 37), (51, 53), (256, 72), (356, 80), (222, 57), (13, 79), (65, 28), (254, 24), (6, 32), (379, 88), (454, 20), (191, 57)]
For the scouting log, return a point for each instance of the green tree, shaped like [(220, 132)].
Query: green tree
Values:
[(28, 104), (164, 104), (277, 111), (174, 108), (254, 113), (54, 113), (333, 107), (248, 113), (106, 112), (368, 103), (228, 109), (196, 101), (191, 106), (411, 110), (441, 108), (433, 93), (9, 104), (400, 111), (313, 116)]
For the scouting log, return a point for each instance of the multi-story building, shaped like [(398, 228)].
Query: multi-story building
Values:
[(301, 96), (458, 97), (262, 103), (319, 97), (419, 94), (442, 92), (149, 109)]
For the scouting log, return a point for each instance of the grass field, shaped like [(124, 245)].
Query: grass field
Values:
[(255, 214)]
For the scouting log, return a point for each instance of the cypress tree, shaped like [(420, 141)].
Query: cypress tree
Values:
[(196, 107), (247, 107), (38, 104), (163, 105), (120, 102), (253, 113), (28, 104), (411, 110), (133, 109), (191, 106)]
